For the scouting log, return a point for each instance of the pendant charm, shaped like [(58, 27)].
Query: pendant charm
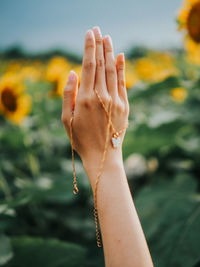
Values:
[(115, 140)]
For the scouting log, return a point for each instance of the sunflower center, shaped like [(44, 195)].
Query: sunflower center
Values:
[(9, 100), (193, 23)]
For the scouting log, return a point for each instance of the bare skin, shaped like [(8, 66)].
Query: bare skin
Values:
[(124, 243)]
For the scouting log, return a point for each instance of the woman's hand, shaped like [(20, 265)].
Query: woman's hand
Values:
[(100, 70)]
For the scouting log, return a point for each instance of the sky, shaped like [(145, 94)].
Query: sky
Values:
[(40, 25)]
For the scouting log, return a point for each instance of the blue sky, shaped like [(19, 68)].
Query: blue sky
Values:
[(38, 25)]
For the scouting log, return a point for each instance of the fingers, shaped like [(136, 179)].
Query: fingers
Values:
[(111, 73), (69, 97), (100, 79), (120, 64), (89, 63)]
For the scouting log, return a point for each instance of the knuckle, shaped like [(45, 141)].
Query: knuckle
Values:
[(99, 41), (106, 99), (88, 64), (120, 66), (89, 44), (67, 91), (100, 63), (110, 69), (111, 62), (108, 49), (122, 83), (118, 106)]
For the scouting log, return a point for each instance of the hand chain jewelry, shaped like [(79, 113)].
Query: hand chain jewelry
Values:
[(115, 140)]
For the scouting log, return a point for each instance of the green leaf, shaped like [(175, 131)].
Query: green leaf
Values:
[(171, 221), (5, 249), (38, 252), (146, 140)]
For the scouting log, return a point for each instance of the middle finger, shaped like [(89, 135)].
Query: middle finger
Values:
[(100, 80)]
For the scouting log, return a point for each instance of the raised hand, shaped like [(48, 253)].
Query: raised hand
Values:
[(102, 72)]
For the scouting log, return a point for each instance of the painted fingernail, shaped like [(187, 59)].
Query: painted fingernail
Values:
[(71, 76), (89, 34), (97, 30)]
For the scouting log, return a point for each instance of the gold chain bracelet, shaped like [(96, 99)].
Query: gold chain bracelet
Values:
[(115, 143)]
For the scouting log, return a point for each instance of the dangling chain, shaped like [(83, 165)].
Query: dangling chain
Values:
[(115, 143), (98, 177), (75, 190)]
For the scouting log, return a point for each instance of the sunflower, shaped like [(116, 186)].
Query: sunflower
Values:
[(178, 94), (145, 69), (193, 50), (155, 67), (57, 71), (130, 75), (25, 69), (31, 73), (14, 103), (14, 65), (189, 20)]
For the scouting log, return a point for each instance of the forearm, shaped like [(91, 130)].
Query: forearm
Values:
[(124, 243)]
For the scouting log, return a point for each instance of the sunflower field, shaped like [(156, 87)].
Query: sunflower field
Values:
[(42, 223)]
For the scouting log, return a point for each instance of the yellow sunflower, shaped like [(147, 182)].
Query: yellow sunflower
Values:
[(57, 72), (178, 94), (155, 67), (193, 50), (14, 103), (29, 72), (145, 69), (130, 75), (14, 65), (189, 20)]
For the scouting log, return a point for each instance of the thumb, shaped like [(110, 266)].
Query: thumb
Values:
[(69, 95)]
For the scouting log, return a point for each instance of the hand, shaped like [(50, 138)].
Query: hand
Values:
[(100, 70)]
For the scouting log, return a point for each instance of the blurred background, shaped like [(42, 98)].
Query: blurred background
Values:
[(42, 223)]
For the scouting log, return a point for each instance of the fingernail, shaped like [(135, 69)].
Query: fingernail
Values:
[(89, 34), (122, 55), (71, 76), (108, 39), (97, 30)]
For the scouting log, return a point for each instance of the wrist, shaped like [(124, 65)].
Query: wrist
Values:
[(93, 162)]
